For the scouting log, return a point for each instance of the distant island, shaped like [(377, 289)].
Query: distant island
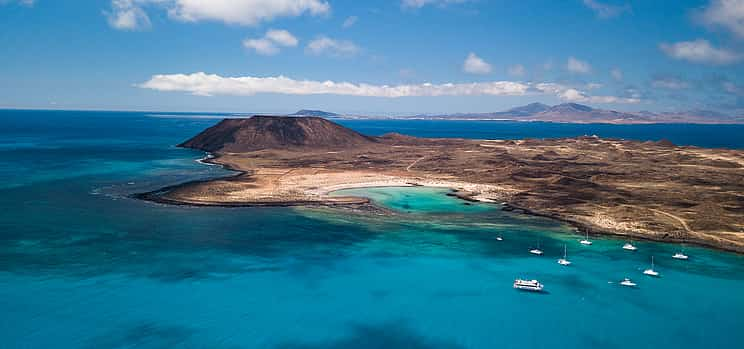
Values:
[(562, 113), (318, 113), (649, 190)]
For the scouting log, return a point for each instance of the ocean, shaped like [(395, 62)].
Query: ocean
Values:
[(82, 265)]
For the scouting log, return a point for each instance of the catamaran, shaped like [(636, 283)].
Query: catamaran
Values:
[(651, 271), (586, 240), (628, 283), (629, 246), (680, 255), (564, 260), (528, 285)]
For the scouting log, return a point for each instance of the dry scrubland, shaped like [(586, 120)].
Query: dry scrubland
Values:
[(652, 190)]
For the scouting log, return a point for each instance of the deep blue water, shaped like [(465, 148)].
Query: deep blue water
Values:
[(84, 266), (710, 136)]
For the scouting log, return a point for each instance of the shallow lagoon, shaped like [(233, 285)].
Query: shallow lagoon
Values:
[(83, 266)]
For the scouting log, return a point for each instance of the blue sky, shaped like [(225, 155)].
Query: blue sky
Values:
[(381, 57)]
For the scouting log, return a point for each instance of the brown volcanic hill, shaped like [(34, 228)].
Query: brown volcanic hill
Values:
[(276, 132)]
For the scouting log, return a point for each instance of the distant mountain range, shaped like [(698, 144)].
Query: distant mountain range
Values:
[(564, 113), (579, 113)]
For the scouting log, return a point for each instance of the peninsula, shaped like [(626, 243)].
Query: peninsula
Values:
[(649, 190)]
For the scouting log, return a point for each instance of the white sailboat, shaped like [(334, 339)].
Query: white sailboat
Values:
[(651, 271), (680, 255), (564, 260), (537, 251), (628, 283), (586, 241), (629, 246)]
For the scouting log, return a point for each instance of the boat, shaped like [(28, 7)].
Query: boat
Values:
[(586, 241), (564, 260), (628, 283), (629, 246), (528, 285), (499, 238), (537, 250), (680, 255), (651, 271)]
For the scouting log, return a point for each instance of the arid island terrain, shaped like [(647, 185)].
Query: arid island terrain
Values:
[(649, 190)]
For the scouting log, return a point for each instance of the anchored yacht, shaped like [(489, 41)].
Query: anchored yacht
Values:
[(537, 250), (528, 285), (629, 246), (680, 255), (651, 271), (628, 283), (564, 260), (586, 240)]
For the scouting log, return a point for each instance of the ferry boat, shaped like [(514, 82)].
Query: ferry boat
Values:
[(564, 260), (680, 255), (629, 246), (586, 241), (628, 283), (651, 271), (528, 285)]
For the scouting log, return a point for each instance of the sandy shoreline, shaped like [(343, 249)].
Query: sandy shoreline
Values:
[(322, 196)]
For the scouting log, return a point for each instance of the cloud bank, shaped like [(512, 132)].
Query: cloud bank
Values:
[(203, 84)]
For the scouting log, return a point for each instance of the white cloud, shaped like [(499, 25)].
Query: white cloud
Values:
[(516, 70), (574, 95), (28, 3), (269, 44), (203, 84), (578, 66), (324, 45), (262, 46), (244, 12), (616, 74), (422, 3), (726, 14), (603, 10), (699, 51), (127, 15), (670, 83), (593, 86), (350, 21), (282, 37), (130, 14), (475, 65)]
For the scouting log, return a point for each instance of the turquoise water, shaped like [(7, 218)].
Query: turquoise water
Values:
[(416, 200), (84, 266)]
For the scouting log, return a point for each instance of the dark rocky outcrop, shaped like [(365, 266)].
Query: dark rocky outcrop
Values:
[(276, 132)]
